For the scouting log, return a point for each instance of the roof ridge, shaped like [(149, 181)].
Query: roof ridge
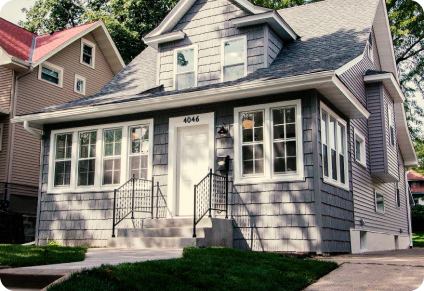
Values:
[(303, 5), (34, 34), (67, 29)]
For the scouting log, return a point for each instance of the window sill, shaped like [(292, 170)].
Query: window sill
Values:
[(380, 212), (83, 189), (90, 66), (51, 83), (361, 164), (335, 184), (254, 180)]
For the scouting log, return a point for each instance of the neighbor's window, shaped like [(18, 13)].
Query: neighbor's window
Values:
[(360, 156), (398, 196), (88, 52), (334, 147), (269, 142), (87, 158), (234, 59), (185, 68), (391, 125), (51, 73), (379, 202), (139, 151), (62, 163), (79, 85), (112, 140)]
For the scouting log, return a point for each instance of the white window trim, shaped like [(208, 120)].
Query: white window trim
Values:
[(195, 47), (223, 53), (268, 144), (98, 180), (361, 138), (375, 203), (51, 67), (329, 179), (391, 124), (1, 135), (93, 45), (75, 84)]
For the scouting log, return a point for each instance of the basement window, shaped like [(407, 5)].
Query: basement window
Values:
[(379, 203)]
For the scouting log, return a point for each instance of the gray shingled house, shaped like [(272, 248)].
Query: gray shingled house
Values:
[(284, 130)]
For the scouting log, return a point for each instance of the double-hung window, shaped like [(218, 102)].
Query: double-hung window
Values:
[(234, 58), (100, 157), (63, 160), (360, 155), (391, 125), (185, 67), (88, 53), (51, 74), (269, 143), (379, 202), (334, 148)]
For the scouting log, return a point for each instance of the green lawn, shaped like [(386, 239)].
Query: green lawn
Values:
[(418, 239), (23, 256), (204, 269)]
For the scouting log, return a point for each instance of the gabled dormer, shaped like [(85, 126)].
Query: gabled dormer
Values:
[(208, 42)]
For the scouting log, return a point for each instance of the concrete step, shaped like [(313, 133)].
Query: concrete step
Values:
[(151, 242), (174, 222), (160, 232)]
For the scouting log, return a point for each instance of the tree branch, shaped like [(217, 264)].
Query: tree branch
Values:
[(411, 55), (402, 56)]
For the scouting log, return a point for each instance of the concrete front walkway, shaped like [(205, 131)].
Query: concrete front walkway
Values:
[(390, 270)]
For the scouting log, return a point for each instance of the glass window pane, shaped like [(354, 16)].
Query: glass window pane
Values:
[(342, 169), (279, 132), (62, 173), (259, 151), (358, 150), (279, 165), (247, 167), (279, 151), (291, 165), (185, 81), (334, 164), (185, 61), (259, 119), (259, 166), (259, 134), (325, 153), (290, 115), (233, 73), (324, 128), (291, 131), (234, 51), (332, 133), (108, 149), (278, 116), (88, 50), (247, 152), (247, 135), (291, 148), (379, 200)]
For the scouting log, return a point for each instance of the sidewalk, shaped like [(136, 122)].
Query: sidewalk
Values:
[(390, 270), (27, 278)]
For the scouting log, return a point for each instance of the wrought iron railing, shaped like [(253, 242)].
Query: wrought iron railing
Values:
[(8, 189), (211, 194), (138, 196)]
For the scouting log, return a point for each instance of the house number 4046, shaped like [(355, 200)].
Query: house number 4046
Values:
[(191, 119)]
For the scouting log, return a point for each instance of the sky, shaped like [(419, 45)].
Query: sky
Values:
[(11, 9)]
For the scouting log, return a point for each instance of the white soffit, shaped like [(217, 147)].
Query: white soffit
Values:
[(178, 12), (274, 20), (325, 82), (389, 83), (153, 41), (384, 41), (404, 139)]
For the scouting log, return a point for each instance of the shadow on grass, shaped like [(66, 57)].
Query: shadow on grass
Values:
[(204, 269)]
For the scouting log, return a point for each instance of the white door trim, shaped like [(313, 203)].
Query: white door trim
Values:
[(174, 124)]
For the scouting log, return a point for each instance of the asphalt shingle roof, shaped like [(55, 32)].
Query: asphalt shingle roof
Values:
[(331, 32)]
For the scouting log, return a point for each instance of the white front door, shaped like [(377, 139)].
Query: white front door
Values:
[(192, 165)]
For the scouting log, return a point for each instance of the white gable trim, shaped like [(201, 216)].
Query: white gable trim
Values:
[(178, 12), (154, 41), (390, 83)]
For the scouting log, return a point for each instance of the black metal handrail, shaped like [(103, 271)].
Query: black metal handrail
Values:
[(136, 195), (211, 193)]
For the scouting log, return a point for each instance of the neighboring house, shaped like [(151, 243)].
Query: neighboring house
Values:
[(416, 184), (305, 101), (39, 71)]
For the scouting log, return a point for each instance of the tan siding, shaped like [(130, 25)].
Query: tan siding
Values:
[(6, 81), (206, 24), (4, 119), (34, 94)]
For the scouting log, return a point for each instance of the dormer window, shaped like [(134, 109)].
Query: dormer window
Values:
[(234, 60), (185, 68), (88, 53), (370, 50)]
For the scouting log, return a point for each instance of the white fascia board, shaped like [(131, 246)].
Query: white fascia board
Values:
[(403, 137), (78, 36), (273, 19), (182, 7), (325, 82), (155, 40), (390, 83)]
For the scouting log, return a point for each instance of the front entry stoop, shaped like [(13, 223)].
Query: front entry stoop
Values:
[(175, 233)]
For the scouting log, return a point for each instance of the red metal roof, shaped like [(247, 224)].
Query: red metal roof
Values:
[(17, 41), (47, 43), (413, 175)]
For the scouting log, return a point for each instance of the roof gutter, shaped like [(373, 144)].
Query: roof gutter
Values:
[(32, 131)]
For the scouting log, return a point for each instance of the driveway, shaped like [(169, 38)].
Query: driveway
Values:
[(401, 270)]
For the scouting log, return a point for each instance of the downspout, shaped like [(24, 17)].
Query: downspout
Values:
[(32, 131), (408, 205)]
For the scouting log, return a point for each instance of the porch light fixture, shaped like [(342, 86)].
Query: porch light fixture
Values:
[(400, 230), (223, 131), (362, 222)]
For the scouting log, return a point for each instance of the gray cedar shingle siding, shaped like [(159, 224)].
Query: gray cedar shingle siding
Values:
[(268, 217), (274, 46)]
